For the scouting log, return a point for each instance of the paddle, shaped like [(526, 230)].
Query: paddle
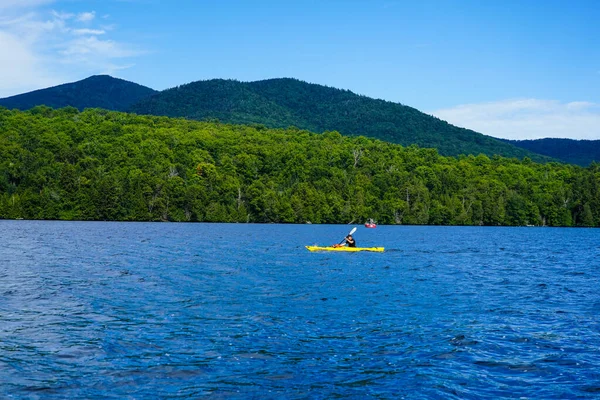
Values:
[(350, 233)]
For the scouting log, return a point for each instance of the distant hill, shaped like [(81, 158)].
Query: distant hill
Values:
[(98, 91), (279, 103), (579, 152)]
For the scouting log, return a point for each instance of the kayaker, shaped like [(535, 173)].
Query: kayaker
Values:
[(350, 242)]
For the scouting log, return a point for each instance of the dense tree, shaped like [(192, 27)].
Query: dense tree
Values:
[(102, 165), (281, 103), (580, 152), (101, 91)]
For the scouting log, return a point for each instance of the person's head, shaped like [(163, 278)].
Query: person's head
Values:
[(349, 236)]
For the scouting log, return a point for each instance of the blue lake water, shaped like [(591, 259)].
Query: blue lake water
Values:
[(159, 310)]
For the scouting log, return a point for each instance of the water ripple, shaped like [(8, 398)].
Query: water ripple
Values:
[(130, 310)]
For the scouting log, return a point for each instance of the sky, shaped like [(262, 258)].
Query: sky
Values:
[(521, 69)]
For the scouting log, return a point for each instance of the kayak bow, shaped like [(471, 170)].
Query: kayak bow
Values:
[(344, 248)]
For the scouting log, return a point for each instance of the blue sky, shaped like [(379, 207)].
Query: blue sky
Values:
[(516, 69)]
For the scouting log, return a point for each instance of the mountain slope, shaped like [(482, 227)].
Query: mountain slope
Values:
[(284, 102), (98, 91), (226, 100), (580, 152)]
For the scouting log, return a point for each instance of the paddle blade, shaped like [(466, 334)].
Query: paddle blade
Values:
[(350, 233)]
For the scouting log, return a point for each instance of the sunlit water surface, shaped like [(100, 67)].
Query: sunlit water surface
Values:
[(136, 310)]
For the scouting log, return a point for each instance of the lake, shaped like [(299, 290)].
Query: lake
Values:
[(161, 310)]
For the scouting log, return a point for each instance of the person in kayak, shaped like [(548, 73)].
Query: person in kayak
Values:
[(350, 242)]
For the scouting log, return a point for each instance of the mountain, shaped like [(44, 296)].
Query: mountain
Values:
[(579, 152), (98, 91), (279, 103)]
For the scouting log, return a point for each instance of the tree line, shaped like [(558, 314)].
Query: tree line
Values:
[(105, 165)]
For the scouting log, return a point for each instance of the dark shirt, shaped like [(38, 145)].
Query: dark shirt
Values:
[(351, 242)]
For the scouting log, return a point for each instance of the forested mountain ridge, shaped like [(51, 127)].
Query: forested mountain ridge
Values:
[(98, 91), (580, 152), (104, 165), (283, 102), (218, 99)]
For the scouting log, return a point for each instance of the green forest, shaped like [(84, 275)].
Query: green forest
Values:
[(285, 102), (580, 152), (98, 91), (107, 165)]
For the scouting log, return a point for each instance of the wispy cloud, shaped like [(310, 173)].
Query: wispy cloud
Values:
[(86, 16), (41, 47), (89, 31), (62, 15), (20, 67), (527, 118), (92, 46)]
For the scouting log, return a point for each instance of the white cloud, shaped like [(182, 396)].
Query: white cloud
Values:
[(62, 15), (89, 31), (41, 48), (20, 68), (86, 16), (111, 69), (527, 118), (96, 48)]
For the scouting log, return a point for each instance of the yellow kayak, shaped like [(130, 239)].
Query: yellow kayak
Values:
[(344, 248)]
